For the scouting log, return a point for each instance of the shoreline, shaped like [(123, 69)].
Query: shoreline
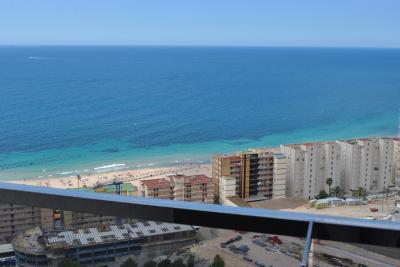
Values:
[(126, 175), (86, 159)]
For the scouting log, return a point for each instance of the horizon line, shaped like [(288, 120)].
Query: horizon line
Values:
[(199, 45)]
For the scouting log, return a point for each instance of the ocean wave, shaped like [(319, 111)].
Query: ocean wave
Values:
[(111, 166), (64, 173)]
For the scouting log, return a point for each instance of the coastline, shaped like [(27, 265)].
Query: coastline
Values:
[(126, 175), (100, 158)]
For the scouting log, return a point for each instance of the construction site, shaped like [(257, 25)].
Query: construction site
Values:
[(106, 245)]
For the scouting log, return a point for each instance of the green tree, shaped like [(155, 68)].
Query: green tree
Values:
[(218, 262), (337, 192), (322, 194), (66, 262), (129, 263), (150, 264), (164, 263), (178, 263), (360, 192), (329, 182)]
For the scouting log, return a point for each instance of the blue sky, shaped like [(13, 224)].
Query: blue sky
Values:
[(348, 23)]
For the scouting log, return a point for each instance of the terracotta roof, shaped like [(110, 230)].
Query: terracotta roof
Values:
[(156, 183), (193, 179), (197, 179)]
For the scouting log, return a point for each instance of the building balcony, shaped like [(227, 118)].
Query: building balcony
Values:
[(302, 227)]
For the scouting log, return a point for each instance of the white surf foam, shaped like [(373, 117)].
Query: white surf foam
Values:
[(110, 167)]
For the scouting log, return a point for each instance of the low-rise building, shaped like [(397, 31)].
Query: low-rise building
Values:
[(106, 245), (197, 188)]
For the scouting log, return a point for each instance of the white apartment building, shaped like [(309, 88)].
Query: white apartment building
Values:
[(367, 163), (227, 188), (384, 164), (279, 174), (294, 170), (309, 165), (351, 164), (396, 161)]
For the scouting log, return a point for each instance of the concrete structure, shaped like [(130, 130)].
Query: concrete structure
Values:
[(197, 188), (309, 165), (16, 218), (227, 189), (367, 163), (76, 220), (396, 161), (225, 166), (350, 163), (101, 246), (253, 171), (279, 176)]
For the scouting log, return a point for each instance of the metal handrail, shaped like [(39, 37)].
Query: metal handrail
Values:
[(296, 224)]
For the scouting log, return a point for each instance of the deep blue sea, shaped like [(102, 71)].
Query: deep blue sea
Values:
[(66, 109)]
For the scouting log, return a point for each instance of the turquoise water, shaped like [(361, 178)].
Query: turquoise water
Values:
[(67, 110)]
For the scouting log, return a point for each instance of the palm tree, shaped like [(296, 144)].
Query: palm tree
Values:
[(360, 192), (78, 177), (337, 192), (329, 182)]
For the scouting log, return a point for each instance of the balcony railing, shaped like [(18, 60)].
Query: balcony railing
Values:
[(309, 226)]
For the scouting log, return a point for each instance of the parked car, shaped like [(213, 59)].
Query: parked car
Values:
[(246, 258), (238, 238)]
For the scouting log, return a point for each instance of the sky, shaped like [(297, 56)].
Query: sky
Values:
[(342, 23)]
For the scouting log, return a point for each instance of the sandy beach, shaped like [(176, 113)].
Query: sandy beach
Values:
[(127, 175)]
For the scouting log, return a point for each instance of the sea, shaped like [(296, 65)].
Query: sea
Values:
[(81, 109)]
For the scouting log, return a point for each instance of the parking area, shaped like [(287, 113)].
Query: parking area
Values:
[(249, 249)]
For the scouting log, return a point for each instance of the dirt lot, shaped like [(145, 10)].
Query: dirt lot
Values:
[(289, 253), (297, 205)]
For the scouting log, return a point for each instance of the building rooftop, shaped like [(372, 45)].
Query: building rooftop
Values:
[(5, 248), (156, 183), (110, 188), (128, 187), (167, 182), (34, 241), (279, 155), (192, 179)]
